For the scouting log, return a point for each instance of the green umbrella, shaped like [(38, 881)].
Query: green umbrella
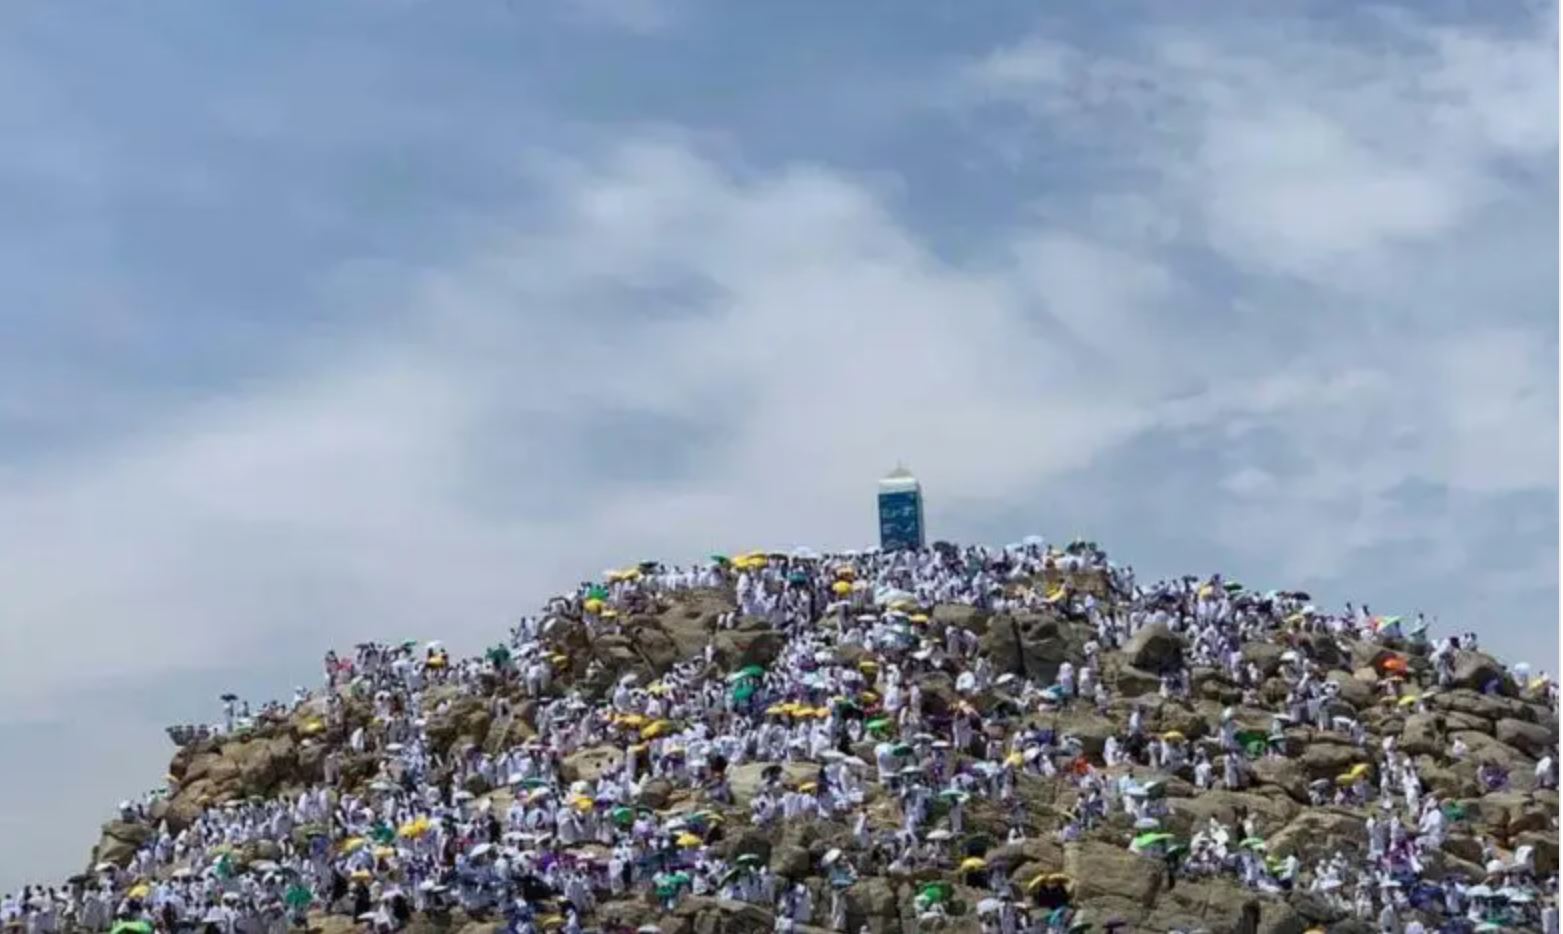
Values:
[(597, 592), (741, 675), (298, 897), (936, 891), (878, 723), (1149, 839), (1233, 586), (622, 816), (901, 749), (721, 559), (131, 927), (753, 671), (744, 691)]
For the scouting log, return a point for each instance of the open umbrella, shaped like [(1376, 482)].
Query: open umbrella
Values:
[(1145, 840)]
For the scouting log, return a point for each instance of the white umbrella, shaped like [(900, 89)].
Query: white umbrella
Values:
[(830, 857), (1478, 891), (939, 835), (989, 906), (482, 849)]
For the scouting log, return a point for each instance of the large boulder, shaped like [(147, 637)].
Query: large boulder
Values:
[(263, 762), (1324, 759), (701, 915), (120, 841), (745, 780), (1102, 869), (1355, 691), (1320, 831), (736, 648), (1136, 682), (1423, 734), (463, 718), (1533, 739), (1267, 655), (1285, 774), (966, 617), (1155, 648), (1324, 649), (1031, 645), (1229, 807), (1476, 670), (1488, 707), (590, 764), (876, 903)]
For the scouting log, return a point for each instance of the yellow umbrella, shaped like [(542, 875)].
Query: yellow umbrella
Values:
[(551, 922), (141, 890), (777, 710), (437, 661), (653, 730), (384, 852), (581, 803), (809, 787), (688, 840), (1014, 759), (311, 727), (352, 844), (1344, 779), (868, 665), (416, 827), (1173, 736), (918, 617), (593, 605), (1359, 770), (630, 719), (903, 606), (610, 614), (1408, 700), (362, 875), (973, 862), (841, 588)]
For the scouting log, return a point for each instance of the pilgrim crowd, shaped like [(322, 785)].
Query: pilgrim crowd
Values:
[(837, 727)]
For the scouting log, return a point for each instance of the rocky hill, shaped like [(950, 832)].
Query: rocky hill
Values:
[(959, 740)]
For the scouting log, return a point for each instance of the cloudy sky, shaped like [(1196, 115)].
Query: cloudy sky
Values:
[(331, 321)]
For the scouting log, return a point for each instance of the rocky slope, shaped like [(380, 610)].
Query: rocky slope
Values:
[(1484, 709)]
